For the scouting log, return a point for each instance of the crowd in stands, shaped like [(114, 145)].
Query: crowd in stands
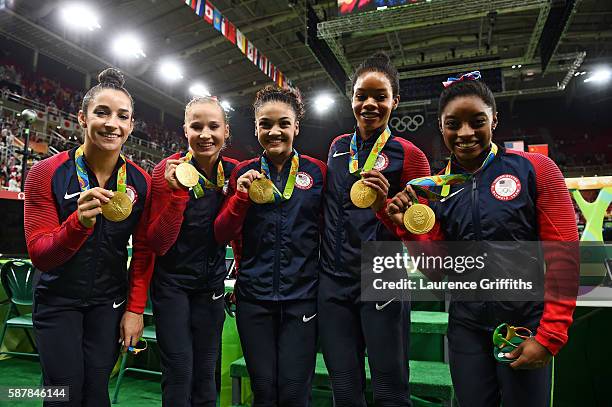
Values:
[(61, 98)]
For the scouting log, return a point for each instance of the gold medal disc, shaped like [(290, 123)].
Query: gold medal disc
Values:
[(362, 195), (261, 191), (187, 175), (118, 208), (419, 219)]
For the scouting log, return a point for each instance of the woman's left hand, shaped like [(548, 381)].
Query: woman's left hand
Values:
[(530, 354), (375, 180), (130, 329)]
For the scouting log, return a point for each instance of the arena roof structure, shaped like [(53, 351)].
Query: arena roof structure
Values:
[(532, 46)]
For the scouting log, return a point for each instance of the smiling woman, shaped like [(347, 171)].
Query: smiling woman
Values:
[(279, 232), (80, 316)]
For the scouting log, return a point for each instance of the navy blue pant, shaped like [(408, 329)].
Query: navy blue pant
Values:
[(279, 342), (480, 381), (347, 328), (78, 347), (188, 325)]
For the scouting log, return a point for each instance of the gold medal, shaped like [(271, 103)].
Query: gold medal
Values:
[(362, 195), (261, 191), (187, 175), (419, 219), (118, 208)]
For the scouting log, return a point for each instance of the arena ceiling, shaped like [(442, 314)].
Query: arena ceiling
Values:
[(425, 39)]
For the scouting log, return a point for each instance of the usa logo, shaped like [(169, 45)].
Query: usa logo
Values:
[(131, 192), (382, 162), (303, 180), (506, 187)]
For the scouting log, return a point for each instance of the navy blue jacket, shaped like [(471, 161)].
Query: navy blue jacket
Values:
[(517, 197), (276, 245), (181, 232), (347, 226), (84, 266)]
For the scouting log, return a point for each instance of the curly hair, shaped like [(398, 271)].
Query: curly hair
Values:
[(290, 96)]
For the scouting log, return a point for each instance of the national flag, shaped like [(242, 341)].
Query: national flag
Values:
[(515, 145), (231, 32), (208, 12), (224, 26), (193, 4), (188, 2), (279, 79), (255, 55), (539, 148), (200, 8), (241, 41), (250, 48), (217, 20), (262, 63)]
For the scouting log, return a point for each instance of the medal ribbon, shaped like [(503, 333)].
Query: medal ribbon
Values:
[(371, 160), (79, 159), (203, 182), (448, 179), (288, 191)]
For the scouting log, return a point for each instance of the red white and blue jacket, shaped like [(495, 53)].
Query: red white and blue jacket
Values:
[(537, 207), (347, 226), (182, 235), (78, 265), (276, 245)]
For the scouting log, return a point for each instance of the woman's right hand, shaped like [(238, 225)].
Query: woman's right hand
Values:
[(90, 205), (244, 182), (400, 204), (170, 173)]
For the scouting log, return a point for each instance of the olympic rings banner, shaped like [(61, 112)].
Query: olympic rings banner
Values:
[(407, 123), (210, 14)]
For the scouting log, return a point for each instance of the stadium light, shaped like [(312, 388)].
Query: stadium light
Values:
[(197, 89), (601, 75), (322, 103), (226, 106), (171, 71), (128, 46), (80, 16)]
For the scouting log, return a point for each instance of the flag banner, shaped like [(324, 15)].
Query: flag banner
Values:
[(200, 8), (231, 33), (515, 145), (240, 41), (217, 20), (210, 14), (539, 148)]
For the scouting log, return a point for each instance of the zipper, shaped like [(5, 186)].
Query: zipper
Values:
[(276, 275), (475, 209)]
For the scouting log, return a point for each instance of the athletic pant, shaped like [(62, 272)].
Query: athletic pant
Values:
[(481, 381), (279, 342), (78, 347), (349, 327), (188, 326)]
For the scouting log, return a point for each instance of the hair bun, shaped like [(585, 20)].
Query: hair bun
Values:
[(379, 57), (112, 77)]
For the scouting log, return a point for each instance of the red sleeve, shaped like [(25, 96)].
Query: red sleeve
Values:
[(167, 208), (50, 244), (415, 166), (556, 224), (143, 259), (228, 224)]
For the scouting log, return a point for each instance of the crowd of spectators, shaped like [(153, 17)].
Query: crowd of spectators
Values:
[(59, 98)]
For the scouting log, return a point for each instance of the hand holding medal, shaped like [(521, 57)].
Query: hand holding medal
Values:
[(171, 173), (370, 191), (405, 209), (114, 206), (255, 184)]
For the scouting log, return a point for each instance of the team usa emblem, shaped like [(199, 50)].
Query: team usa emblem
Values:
[(382, 162), (506, 187), (303, 180), (131, 193)]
